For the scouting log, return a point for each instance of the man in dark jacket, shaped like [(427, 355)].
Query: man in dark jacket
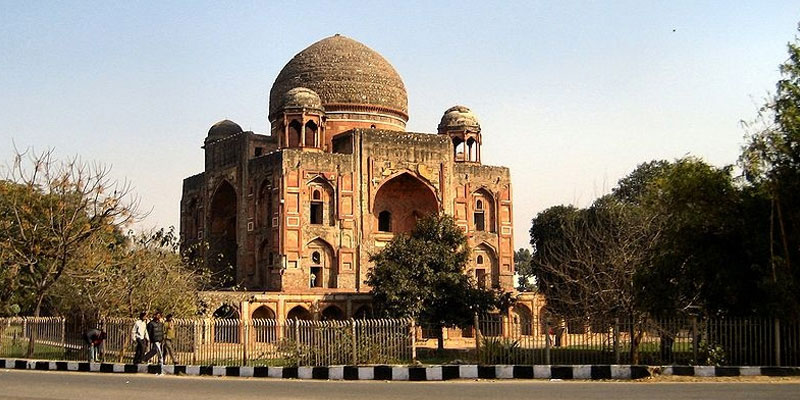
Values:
[(94, 340), (155, 330)]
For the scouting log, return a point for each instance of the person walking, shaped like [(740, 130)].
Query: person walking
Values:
[(94, 340), (169, 337), (140, 337), (155, 330)]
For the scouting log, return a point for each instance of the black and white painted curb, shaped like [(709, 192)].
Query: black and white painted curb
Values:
[(408, 373), (711, 371), (380, 372)]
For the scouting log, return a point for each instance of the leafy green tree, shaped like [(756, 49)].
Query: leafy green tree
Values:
[(422, 276), (632, 188), (522, 266), (123, 275), (771, 161), (12, 300), (706, 259)]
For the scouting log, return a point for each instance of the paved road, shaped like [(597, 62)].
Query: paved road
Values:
[(66, 385)]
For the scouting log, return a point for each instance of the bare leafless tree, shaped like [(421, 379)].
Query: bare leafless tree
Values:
[(589, 271), (57, 206)]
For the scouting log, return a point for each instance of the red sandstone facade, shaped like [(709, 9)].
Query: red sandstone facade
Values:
[(291, 218)]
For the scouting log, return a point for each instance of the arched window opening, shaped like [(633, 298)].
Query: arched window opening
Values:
[(225, 331), (480, 277), (523, 319), (226, 311), (472, 149), (459, 148), (363, 312), (479, 217), (332, 313), (322, 267), (385, 221), (316, 258), (295, 132), (487, 272), (298, 312), (311, 134), (263, 312), (315, 279), (317, 208), (321, 206), (264, 325), (484, 211)]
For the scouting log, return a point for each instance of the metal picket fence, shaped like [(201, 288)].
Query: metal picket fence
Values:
[(230, 342), (677, 341)]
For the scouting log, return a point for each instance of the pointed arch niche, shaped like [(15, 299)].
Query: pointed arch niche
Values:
[(483, 211), (222, 236), (400, 201), (486, 270), (322, 202), (321, 264)]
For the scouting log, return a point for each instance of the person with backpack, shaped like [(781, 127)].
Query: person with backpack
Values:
[(155, 330)]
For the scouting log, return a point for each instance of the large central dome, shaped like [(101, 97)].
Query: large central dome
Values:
[(348, 76)]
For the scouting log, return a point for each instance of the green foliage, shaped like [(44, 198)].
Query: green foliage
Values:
[(523, 268), (422, 276), (771, 161), (499, 350), (709, 252), (123, 275), (709, 256), (62, 250)]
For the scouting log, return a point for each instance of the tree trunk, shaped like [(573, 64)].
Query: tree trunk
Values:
[(440, 340), (33, 327), (634, 342), (784, 239)]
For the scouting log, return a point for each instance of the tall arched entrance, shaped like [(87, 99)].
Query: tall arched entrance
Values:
[(222, 245), (400, 201)]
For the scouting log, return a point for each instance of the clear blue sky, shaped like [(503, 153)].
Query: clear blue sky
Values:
[(571, 95)]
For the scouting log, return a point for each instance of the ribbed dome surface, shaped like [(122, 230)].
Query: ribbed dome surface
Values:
[(341, 71)]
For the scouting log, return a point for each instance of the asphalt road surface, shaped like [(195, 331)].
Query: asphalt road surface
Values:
[(66, 385)]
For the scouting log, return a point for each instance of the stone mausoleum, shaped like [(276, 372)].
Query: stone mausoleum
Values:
[(290, 217)]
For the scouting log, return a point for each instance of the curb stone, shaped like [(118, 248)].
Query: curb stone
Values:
[(349, 372), (407, 373), (712, 371)]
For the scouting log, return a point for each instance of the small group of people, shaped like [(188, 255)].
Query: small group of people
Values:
[(153, 338)]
